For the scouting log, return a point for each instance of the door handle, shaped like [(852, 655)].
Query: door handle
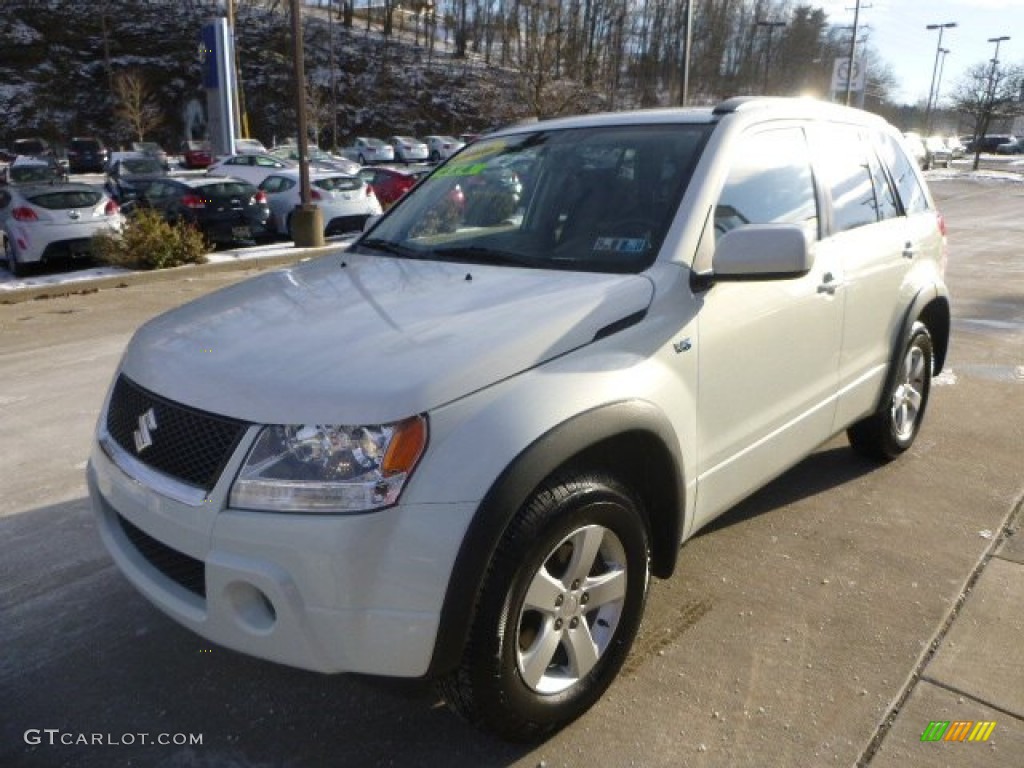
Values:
[(829, 284), (909, 251)]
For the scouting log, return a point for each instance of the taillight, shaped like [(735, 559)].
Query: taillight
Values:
[(111, 208), (942, 223), (314, 195), (260, 198), (193, 201), (24, 214), (369, 190)]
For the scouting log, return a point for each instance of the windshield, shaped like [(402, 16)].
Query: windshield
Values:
[(596, 199)]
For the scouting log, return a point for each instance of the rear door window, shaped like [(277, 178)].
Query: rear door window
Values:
[(843, 157)]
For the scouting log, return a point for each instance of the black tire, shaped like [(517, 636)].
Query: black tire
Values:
[(527, 670), (13, 266), (435, 157), (891, 429)]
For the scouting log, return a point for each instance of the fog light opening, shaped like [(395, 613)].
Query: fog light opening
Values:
[(252, 608)]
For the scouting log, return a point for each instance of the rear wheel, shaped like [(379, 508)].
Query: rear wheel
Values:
[(558, 612), (891, 429)]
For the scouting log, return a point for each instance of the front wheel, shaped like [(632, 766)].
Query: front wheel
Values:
[(558, 612), (891, 429)]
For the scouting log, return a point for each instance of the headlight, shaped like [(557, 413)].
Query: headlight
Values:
[(323, 468)]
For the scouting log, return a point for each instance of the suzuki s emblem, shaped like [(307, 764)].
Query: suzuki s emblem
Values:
[(74, 214), (144, 434)]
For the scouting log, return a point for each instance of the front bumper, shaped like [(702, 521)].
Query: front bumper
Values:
[(328, 593)]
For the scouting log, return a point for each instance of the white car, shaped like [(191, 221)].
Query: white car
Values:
[(39, 222), (442, 147), (249, 147), (318, 159), (251, 168), (366, 151), (408, 150), (459, 448), (346, 202)]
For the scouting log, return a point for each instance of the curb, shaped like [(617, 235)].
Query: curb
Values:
[(92, 285)]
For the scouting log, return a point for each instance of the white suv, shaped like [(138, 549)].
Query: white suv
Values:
[(459, 448)]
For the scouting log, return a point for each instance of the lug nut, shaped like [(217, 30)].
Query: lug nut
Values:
[(558, 623), (559, 600), (576, 584), (574, 623), (585, 598)]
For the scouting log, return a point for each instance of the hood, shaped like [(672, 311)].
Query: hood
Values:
[(353, 339)]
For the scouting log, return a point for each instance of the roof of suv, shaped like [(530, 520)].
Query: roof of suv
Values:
[(767, 106)]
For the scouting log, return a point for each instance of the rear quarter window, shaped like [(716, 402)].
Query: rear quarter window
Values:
[(908, 184)]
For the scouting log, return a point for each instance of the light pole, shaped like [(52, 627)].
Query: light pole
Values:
[(935, 68), (772, 26), (938, 82)]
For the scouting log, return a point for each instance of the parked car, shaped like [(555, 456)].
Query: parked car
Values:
[(42, 222), (318, 158), (28, 169), (956, 147), (196, 154), (990, 143), (937, 153), (153, 150), (366, 151), (460, 451), (87, 155), (408, 150), (225, 210), (1011, 147), (442, 147), (915, 144), (252, 168), (389, 184), (346, 202), (129, 175), (32, 147), (249, 147)]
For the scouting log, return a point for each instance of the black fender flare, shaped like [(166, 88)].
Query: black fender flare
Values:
[(516, 484), (930, 305)]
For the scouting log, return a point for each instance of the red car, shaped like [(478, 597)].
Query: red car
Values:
[(389, 183), (197, 154)]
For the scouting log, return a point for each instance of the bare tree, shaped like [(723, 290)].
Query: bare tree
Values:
[(136, 104), (318, 110), (988, 92)]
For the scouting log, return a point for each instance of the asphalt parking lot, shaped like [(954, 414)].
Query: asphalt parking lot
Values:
[(824, 621)]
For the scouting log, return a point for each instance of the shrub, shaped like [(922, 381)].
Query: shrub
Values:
[(149, 242)]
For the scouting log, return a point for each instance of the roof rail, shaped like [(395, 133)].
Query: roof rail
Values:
[(733, 105)]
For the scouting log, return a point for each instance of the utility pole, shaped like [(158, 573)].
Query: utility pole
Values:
[(772, 26), (688, 42), (307, 219), (334, 82), (853, 53)]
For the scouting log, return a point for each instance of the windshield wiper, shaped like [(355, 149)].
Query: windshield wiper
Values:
[(394, 249), (481, 255)]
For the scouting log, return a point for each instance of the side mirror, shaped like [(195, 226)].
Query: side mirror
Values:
[(762, 252)]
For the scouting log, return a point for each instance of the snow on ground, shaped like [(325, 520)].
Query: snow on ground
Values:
[(43, 278)]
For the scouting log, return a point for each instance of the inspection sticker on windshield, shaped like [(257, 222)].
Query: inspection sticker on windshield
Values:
[(621, 244)]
